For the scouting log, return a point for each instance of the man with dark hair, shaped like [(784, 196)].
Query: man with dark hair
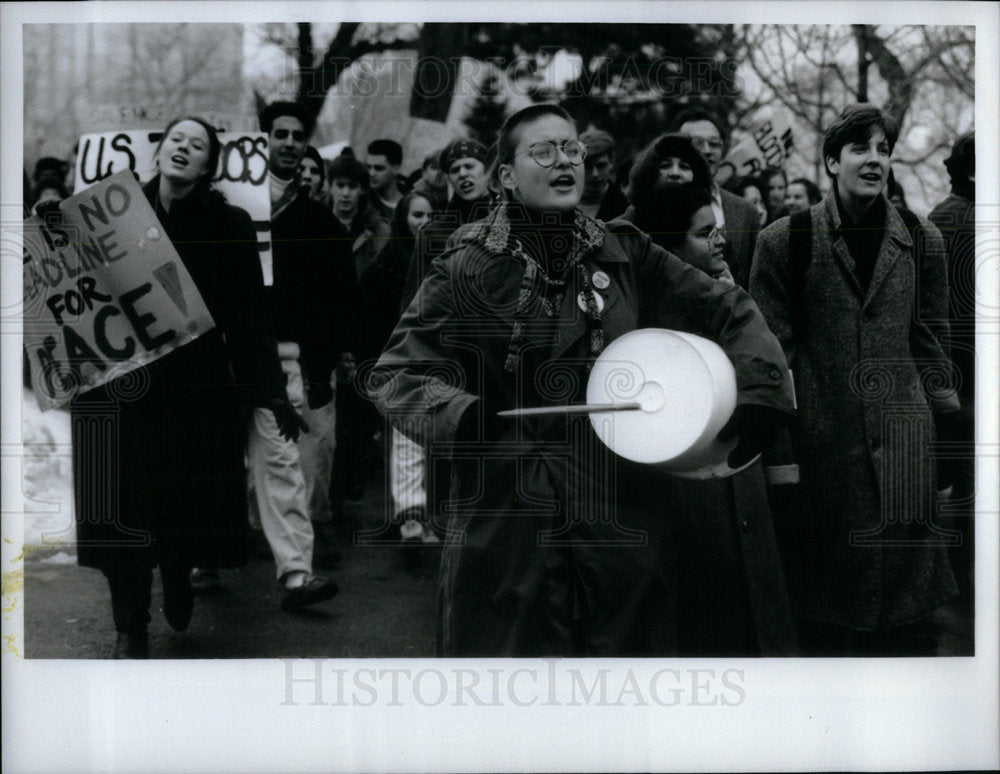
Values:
[(859, 303), (602, 198), (310, 292), (288, 110), (776, 183), (736, 218), (955, 216), (384, 159), (801, 194)]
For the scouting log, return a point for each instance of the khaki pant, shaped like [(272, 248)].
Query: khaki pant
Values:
[(289, 483)]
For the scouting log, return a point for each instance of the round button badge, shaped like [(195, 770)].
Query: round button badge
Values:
[(601, 280), (581, 301)]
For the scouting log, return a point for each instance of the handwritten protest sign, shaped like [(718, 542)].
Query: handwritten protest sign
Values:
[(768, 146), (241, 175), (104, 291)]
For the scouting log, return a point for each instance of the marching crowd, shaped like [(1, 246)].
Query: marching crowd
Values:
[(405, 312)]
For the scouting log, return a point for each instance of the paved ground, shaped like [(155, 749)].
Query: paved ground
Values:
[(383, 609)]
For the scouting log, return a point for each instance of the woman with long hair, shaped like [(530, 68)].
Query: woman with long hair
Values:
[(554, 544), (669, 160), (158, 452)]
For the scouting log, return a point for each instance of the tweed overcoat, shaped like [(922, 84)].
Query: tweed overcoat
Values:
[(554, 545), (869, 369), (741, 235)]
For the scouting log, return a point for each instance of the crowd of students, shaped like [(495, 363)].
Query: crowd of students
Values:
[(440, 312)]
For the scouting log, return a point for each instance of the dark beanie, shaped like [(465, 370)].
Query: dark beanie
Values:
[(462, 149), (349, 167)]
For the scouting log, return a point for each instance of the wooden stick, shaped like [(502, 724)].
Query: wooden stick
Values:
[(591, 408)]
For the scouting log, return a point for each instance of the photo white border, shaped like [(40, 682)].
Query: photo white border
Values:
[(797, 714)]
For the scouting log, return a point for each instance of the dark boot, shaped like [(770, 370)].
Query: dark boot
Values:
[(133, 644), (178, 596)]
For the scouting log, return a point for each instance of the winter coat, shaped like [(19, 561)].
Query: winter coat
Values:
[(869, 368), (613, 203), (158, 453), (433, 238), (955, 216), (741, 235), (314, 295), (379, 291), (365, 239), (731, 593), (555, 546)]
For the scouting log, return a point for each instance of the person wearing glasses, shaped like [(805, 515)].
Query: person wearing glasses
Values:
[(731, 594), (736, 217), (554, 546)]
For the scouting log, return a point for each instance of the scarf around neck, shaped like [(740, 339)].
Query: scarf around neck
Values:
[(549, 246)]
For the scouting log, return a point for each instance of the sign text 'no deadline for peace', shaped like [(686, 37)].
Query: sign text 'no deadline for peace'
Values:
[(104, 291)]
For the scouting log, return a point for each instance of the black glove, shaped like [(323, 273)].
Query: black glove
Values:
[(49, 211), (756, 427), (320, 393), (290, 422)]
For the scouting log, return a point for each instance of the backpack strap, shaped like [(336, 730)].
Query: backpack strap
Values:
[(799, 256)]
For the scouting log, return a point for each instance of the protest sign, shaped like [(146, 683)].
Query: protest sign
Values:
[(241, 175), (768, 145), (104, 291)]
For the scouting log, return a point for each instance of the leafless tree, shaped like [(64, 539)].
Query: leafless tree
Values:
[(923, 76)]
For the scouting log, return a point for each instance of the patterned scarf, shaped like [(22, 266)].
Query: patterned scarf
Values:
[(586, 234)]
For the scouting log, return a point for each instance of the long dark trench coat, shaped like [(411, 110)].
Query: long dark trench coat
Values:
[(158, 453), (555, 545), (869, 369)]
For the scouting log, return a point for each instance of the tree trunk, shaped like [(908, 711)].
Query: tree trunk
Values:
[(316, 80), (861, 34), (440, 52)]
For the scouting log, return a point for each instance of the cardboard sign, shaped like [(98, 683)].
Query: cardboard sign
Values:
[(104, 292), (768, 146), (241, 175)]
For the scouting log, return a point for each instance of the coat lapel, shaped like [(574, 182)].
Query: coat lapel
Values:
[(572, 319), (491, 283), (838, 245), (895, 240)]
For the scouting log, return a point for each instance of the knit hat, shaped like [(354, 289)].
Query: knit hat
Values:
[(462, 149), (597, 142), (349, 167)]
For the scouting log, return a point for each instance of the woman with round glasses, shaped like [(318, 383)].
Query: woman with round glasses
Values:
[(553, 544)]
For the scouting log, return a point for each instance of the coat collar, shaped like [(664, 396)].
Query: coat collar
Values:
[(895, 240), (487, 245), (493, 232)]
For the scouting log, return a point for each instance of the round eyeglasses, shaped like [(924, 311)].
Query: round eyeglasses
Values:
[(546, 153)]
